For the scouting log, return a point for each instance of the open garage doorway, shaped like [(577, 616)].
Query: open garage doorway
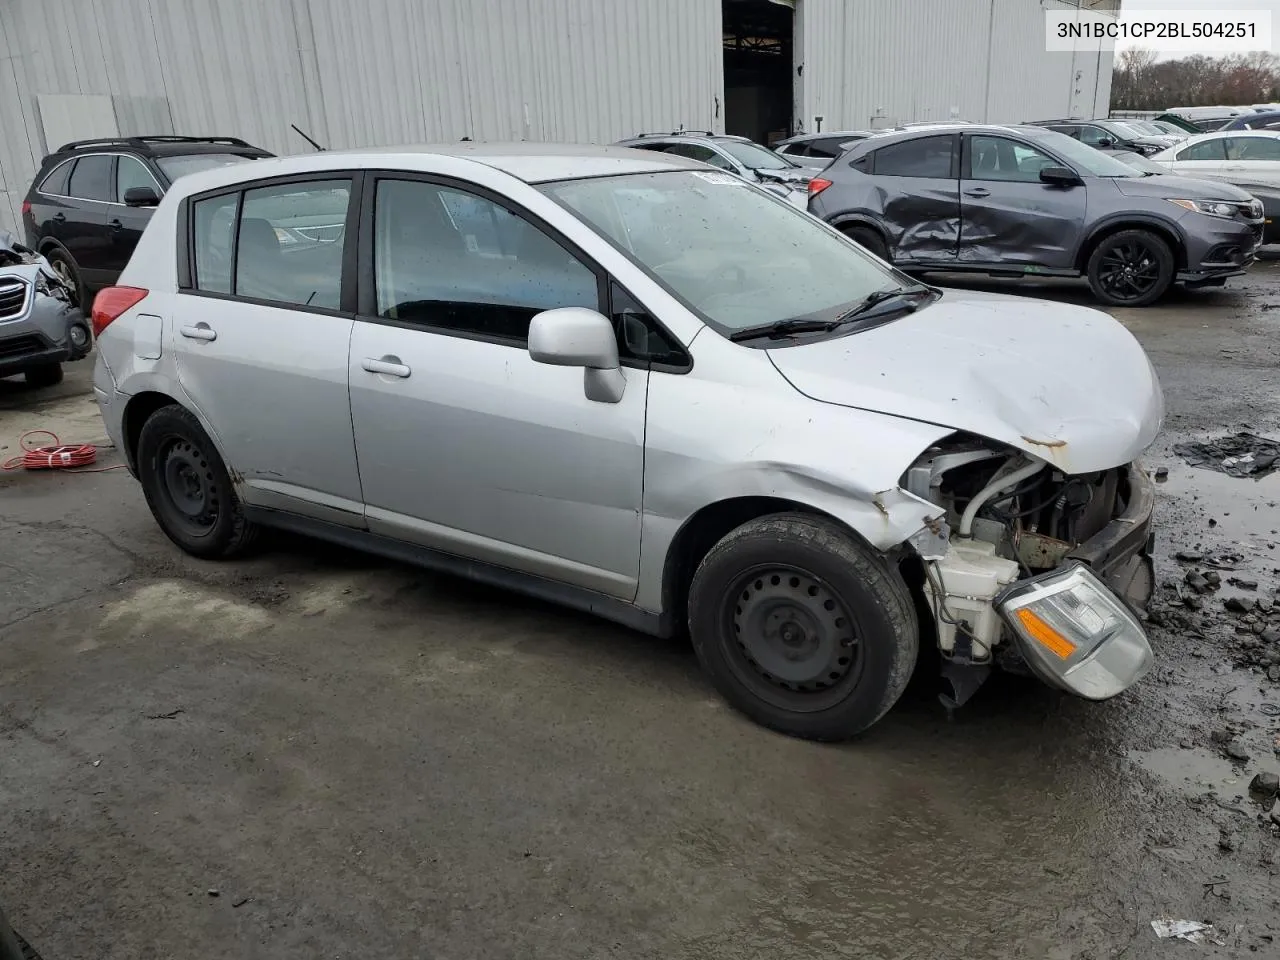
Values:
[(759, 58)]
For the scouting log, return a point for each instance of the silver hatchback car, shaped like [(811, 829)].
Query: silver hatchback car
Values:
[(636, 385)]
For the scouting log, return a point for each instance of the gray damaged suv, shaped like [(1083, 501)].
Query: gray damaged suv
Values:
[(40, 324), (1029, 201)]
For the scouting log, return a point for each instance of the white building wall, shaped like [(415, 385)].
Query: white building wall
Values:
[(877, 63)]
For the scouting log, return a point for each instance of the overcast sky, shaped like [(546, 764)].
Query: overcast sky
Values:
[(1134, 6)]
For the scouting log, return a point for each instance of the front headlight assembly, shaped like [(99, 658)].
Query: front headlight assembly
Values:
[(1213, 208), (1075, 633)]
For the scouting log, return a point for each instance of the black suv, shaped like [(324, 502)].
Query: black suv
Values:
[(89, 203), (1109, 135)]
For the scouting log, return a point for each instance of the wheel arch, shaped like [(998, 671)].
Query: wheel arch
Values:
[(136, 411), (1167, 230)]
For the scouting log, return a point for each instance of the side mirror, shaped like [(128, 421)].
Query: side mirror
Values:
[(1060, 177), (1105, 142), (578, 337), (141, 197)]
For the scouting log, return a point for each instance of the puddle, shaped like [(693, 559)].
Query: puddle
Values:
[(1192, 771)]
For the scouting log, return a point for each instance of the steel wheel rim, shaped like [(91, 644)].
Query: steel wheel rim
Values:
[(1129, 270), (791, 638), (188, 489)]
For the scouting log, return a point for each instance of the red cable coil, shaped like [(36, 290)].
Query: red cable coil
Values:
[(60, 456)]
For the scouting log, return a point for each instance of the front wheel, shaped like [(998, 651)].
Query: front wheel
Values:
[(188, 488), (1132, 268), (803, 627)]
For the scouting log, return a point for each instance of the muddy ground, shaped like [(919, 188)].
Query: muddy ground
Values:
[(318, 754)]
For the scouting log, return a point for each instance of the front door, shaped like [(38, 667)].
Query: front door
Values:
[(262, 350), (124, 223), (1007, 214), (918, 189), (465, 444)]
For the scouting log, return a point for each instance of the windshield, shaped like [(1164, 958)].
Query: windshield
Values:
[(1084, 158), (1121, 129), (1142, 126), (730, 251), (753, 156), (180, 166)]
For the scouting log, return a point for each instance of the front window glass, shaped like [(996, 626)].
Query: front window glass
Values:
[(1204, 150), (452, 260), (1253, 148), (999, 158), (131, 173), (732, 252), (753, 156), (1083, 158), (180, 166)]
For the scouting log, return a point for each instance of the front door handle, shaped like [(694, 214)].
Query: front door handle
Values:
[(389, 365), (201, 331), (115, 225), (978, 192)]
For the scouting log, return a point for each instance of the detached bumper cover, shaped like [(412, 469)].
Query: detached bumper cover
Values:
[(1120, 555)]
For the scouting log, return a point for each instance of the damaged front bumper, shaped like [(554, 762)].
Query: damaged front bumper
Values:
[(1075, 626)]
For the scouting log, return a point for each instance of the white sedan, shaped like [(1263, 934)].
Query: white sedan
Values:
[(1238, 156)]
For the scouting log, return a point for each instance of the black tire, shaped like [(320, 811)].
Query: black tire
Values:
[(45, 375), (188, 488), (65, 267), (1132, 268), (798, 595), (870, 240)]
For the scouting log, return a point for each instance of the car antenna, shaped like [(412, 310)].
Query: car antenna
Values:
[(306, 138)]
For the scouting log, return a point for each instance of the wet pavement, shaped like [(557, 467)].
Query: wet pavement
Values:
[(313, 753)]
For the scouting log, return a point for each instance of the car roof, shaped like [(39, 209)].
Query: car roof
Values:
[(159, 146), (530, 162), (824, 135)]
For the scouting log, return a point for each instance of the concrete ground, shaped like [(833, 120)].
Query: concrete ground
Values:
[(314, 753)]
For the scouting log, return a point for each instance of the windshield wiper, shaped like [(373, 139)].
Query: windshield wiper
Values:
[(783, 328), (873, 300)]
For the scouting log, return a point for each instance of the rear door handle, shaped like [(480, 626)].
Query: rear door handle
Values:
[(115, 225), (60, 217), (389, 365), (201, 331), (978, 192)]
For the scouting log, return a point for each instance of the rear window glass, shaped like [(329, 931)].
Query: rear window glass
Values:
[(925, 157), (92, 179), (180, 166), (55, 184)]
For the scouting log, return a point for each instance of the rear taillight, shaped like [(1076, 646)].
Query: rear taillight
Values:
[(26, 207), (111, 302), (817, 185)]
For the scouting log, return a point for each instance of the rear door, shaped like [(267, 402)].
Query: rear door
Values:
[(919, 194), (91, 190), (1008, 215), (124, 223), (261, 332), (1253, 159)]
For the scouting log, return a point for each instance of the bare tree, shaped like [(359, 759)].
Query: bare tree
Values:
[(1141, 82)]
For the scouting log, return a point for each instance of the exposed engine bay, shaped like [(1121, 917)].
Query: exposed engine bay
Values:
[(1013, 521)]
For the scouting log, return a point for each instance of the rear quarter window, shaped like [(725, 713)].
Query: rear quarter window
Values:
[(55, 182)]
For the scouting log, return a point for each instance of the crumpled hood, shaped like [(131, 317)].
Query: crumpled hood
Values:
[(1184, 188), (1064, 383)]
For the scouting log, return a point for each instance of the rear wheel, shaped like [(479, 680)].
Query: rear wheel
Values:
[(188, 488), (803, 627), (870, 240), (1132, 268), (44, 375), (69, 273)]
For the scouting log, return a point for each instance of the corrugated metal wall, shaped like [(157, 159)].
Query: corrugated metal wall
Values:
[(920, 59), (399, 71)]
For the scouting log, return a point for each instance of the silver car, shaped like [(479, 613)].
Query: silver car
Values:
[(636, 385)]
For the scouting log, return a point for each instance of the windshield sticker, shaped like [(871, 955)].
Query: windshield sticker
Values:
[(725, 178)]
